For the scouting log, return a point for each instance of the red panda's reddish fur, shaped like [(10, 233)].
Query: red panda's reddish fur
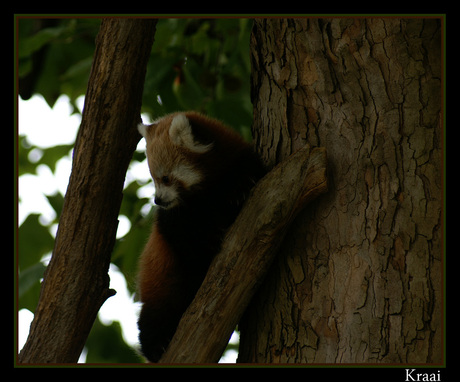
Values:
[(187, 236), (155, 270)]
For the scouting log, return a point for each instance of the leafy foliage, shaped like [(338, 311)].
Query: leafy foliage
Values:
[(195, 64), (55, 56), (201, 65)]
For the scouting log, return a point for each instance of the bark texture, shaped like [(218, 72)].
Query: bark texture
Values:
[(76, 282), (359, 277)]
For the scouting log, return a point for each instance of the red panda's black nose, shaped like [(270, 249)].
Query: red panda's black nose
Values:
[(161, 203)]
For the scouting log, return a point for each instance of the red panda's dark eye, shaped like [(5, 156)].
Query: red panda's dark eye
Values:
[(165, 180)]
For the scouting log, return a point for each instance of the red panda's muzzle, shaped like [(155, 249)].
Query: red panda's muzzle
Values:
[(161, 202)]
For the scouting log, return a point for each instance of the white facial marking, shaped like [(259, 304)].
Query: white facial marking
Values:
[(187, 175)]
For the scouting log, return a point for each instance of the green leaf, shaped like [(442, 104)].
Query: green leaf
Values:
[(34, 240), (105, 344), (29, 45), (29, 299), (29, 286), (25, 166), (29, 277), (52, 155), (57, 202)]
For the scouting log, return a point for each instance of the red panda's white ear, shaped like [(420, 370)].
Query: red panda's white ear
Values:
[(181, 134), (143, 129)]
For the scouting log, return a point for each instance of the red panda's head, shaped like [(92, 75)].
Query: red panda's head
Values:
[(184, 150), (171, 150)]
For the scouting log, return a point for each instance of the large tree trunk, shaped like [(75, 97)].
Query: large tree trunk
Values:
[(359, 276), (76, 282)]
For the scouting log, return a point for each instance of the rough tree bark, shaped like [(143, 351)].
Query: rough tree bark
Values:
[(359, 278), (76, 282)]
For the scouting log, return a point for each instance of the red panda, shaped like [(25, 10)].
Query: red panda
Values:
[(202, 171)]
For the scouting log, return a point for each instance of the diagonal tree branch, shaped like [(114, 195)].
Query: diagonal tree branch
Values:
[(247, 252), (76, 282)]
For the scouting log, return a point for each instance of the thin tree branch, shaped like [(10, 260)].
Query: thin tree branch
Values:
[(247, 252)]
